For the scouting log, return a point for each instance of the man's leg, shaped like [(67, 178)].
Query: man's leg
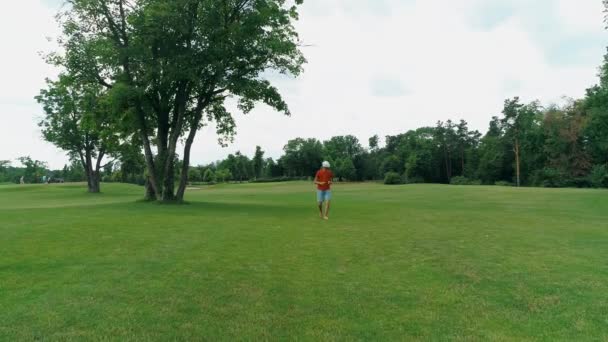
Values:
[(320, 203), (327, 204)]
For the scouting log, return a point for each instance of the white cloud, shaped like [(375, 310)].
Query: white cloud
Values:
[(446, 66), (25, 26), (581, 15)]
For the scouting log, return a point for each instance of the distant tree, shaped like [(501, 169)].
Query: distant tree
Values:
[(273, 169), (519, 122), (366, 166), (194, 175), (223, 175), (258, 162), (341, 147), (345, 169), (564, 140), (132, 164), (209, 176), (302, 157), (34, 169), (374, 143), (392, 163), (492, 154), (74, 172), (447, 141), (78, 121)]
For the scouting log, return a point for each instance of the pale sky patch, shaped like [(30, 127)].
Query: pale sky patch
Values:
[(375, 67)]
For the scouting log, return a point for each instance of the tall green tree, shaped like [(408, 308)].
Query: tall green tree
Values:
[(302, 157), (78, 121), (258, 162), (520, 124), (34, 170), (171, 65), (341, 147)]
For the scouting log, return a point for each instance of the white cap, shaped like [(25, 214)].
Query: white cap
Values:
[(326, 164)]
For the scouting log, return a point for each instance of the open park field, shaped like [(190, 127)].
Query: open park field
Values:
[(254, 262)]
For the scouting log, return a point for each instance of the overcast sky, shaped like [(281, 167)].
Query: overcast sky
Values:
[(375, 67)]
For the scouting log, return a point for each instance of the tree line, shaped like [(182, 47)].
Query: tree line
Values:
[(137, 77), (527, 144)]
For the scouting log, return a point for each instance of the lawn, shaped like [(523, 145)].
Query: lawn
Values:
[(254, 262)]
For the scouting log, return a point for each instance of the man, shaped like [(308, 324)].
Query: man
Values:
[(323, 180)]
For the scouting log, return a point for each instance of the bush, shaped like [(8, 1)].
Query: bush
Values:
[(550, 178), (392, 178), (413, 180), (461, 180), (503, 183), (599, 176)]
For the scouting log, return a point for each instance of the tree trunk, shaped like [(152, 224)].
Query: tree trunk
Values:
[(462, 160), (448, 172), (150, 164), (92, 176), (94, 184), (150, 193), (517, 171), (183, 181)]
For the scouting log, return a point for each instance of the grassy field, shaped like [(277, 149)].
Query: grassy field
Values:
[(254, 262)]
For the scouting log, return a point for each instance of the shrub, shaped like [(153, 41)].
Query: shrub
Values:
[(599, 176), (461, 180), (550, 178), (392, 178), (414, 180), (503, 183)]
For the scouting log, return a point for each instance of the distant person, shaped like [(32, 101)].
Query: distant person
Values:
[(22, 180), (323, 180), (44, 180)]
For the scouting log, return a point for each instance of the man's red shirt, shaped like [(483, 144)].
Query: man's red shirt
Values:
[(324, 176)]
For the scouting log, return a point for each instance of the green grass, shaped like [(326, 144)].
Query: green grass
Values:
[(254, 262)]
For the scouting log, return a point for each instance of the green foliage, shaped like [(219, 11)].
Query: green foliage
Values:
[(302, 157), (461, 180), (550, 178), (599, 176), (391, 163), (342, 148), (345, 169), (194, 175), (223, 175), (209, 176), (170, 65), (34, 170), (258, 162), (392, 178)]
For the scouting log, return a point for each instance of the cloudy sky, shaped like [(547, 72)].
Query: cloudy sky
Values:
[(375, 67)]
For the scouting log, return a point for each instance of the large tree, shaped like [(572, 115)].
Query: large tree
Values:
[(171, 65), (258, 162), (78, 121), (33, 170), (520, 123), (302, 157)]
